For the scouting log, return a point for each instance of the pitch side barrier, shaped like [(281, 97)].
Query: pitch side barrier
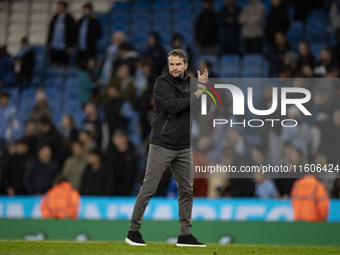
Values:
[(120, 208)]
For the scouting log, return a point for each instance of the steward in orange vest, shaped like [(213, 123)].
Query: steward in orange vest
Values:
[(310, 200), (61, 201)]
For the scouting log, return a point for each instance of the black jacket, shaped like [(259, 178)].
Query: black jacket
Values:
[(277, 21), (38, 177), (27, 65), (94, 32), (96, 182), (123, 166), (54, 140), (206, 28), (171, 121), (70, 33)]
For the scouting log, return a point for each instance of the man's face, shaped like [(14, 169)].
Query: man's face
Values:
[(77, 149), (4, 101), (86, 11), (60, 8), (45, 155), (177, 66)]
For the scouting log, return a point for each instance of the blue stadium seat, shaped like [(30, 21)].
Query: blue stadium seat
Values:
[(230, 59), (253, 60), (211, 58), (252, 72), (179, 5), (316, 48), (162, 6), (120, 6), (229, 71)]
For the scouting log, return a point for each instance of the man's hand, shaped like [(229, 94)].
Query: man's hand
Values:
[(204, 77)]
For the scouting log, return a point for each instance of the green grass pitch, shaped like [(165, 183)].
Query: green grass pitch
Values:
[(98, 248)]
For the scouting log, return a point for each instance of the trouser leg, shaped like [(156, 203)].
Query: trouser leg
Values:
[(183, 174), (159, 158)]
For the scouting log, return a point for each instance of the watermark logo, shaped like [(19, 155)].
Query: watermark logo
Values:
[(301, 97)]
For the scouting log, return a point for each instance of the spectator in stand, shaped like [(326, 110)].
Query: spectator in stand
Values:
[(61, 201), (276, 53), (87, 85), (326, 64), (336, 189), (127, 56), (310, 199), (30, 137), (251, 19), (265, 188), (74, 165), (7, 76), (93, 123), (147, 103), (301, 10), (61, 35), (87, 139), (290, 63), (156, 53), (24, 64), (177, 42), (277, 20), (124, 80), (292, 155), (41, 107), (9, 125), (88, 33), (336, 135), (336, 48), (229, 28), (41, 172), (122, 161), (206, 29), (97, 179), (15, 170), (335, 15), (49, 136), (113, 109), (238, 187), (118, 38), (307, 57), (68, 129)]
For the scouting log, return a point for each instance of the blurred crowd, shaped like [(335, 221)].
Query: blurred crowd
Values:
[(106, 154)]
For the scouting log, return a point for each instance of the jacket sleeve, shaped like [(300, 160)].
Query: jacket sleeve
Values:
[(72, 210), (28, 179), (98, 29), (50, 30), (322, 201), (45, 211), (70, 31), (164, 95)]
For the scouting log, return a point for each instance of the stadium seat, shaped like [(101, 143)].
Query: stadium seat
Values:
[(252, 72), (253, 60), (230, 59)]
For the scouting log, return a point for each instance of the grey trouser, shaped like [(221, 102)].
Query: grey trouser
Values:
[(159, 158)]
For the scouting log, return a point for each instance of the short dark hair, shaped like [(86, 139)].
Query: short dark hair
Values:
[(63, 3), (88, 6), (5, 95), (96, 152), (178, 53), (24, 40), (45, 120)]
